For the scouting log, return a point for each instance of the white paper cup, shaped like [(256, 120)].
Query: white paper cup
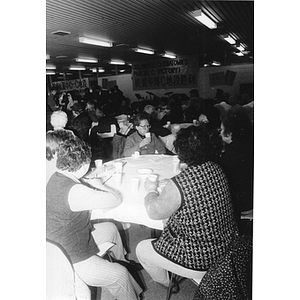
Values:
[(152, 177), (148, 135), (117, 177), (134, 182), (118, 167), (176, 164), (98, 163), (136, 154)]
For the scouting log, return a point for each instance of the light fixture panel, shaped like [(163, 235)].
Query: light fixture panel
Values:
[(117, 62), (144, 51), (204, 19), (95, 42), (169, 55), (86, 60), (76, 68)]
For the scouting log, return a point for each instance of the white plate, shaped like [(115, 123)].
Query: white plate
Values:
[(144, 171)]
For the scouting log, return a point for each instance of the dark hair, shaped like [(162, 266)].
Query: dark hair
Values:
[(238, 124), (194, 146), (54, 139), (139, 117), (72, 155)]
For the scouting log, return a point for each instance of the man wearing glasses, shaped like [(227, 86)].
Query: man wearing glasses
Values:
[(142, 140)]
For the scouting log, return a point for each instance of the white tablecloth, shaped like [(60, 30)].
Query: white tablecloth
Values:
[(132, 209)]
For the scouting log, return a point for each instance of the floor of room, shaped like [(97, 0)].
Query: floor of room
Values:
[(133, 236)]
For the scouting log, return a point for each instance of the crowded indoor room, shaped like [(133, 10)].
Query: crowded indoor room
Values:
[(149, 149)]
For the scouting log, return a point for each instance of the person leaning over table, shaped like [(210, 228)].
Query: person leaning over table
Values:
[(68, 205), (137, 141), (200, 223)]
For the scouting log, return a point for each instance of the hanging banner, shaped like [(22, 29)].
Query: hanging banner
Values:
[(165, 73), (69, 85)]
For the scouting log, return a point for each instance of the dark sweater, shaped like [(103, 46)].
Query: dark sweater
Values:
[(71, 230), (237, 162)]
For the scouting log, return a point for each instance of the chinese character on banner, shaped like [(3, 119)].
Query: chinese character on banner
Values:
[(165, 73)]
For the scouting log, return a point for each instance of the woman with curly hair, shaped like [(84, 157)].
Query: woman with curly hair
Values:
[(196, 204), (69, 202)]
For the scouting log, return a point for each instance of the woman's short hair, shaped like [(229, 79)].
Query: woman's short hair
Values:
[(54, 138), (59, 119), (149, 108), (139, 117), (195, 145), (72, 154), (238, 124)]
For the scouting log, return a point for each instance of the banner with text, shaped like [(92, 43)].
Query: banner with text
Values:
[(69, 85), (165, 73)]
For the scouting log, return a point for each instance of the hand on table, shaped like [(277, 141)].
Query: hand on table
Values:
[(150, 185)]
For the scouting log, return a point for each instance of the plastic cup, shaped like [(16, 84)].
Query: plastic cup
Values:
[(118, 167), (152, 177), (134, 182), (98, 163), (117, 179), (176, 164), (136, 154), (148, 135)]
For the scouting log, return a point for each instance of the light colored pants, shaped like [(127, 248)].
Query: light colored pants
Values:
[(98, 272), (157, 266)]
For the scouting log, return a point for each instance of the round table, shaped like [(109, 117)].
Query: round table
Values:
[(132, 209)]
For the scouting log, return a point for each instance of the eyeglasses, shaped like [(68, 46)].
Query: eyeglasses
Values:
[(145, 126)]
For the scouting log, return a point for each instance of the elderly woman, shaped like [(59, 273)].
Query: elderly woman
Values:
[(68, 222), (53, 139), (200, 223), (238, 158), (138, 141), (59, 119)]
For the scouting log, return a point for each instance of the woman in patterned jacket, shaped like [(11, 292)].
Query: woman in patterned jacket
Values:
[(196, 204)]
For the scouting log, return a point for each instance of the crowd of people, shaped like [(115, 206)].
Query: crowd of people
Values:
[(200, 207)]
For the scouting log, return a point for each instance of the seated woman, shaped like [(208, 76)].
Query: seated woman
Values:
[(124, 129), (138, 141), (200, 223), (237, 159), (68, 205)]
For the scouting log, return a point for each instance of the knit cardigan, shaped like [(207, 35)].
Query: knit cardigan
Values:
[(201, 230)]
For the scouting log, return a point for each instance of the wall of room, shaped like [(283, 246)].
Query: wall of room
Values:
[(209, 80)]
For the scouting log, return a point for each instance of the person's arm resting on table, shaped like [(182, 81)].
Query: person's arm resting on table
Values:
[(82, 198), (161, 206)]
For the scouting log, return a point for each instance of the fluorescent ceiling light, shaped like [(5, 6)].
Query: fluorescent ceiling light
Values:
[(216, 63), (50, 67), (50, 73), (240, 47), (204, 19), (239, 53), (144, 51), (87, 60), (117, 62), (229, 39), (77, 68), (169, 55), (47, 56), (100, 70), (95, 42)]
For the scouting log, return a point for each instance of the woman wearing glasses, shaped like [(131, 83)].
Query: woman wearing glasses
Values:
[(142, 140)]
